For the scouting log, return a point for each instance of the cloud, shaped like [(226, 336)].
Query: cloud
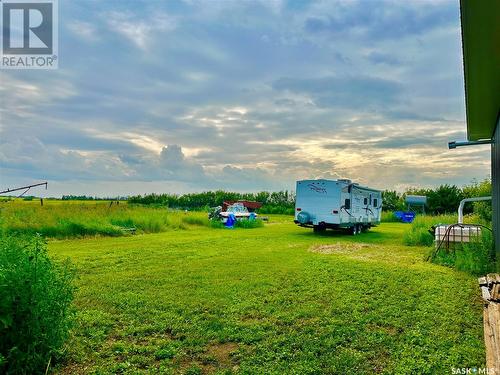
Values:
[(238, 95), (377, 57), (175, 166), (382, 20), (84, 30), (38, 161), (344, 92), (139, 32)]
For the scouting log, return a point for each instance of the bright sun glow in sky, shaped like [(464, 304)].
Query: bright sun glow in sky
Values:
[(182, 96)]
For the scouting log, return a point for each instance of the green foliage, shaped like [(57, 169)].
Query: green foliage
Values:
[(245, 224), (216, 224), (479, 189), (389, 217), (476, 257), (193, 219), (281, 202), (57, 219), (392, 201), (275, 209), (445, 199), (249, 224), (89, 198), (35, 300), (418, 233)]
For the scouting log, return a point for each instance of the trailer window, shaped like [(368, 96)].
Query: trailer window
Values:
[(347, 204), (366, 201), (375, 202)]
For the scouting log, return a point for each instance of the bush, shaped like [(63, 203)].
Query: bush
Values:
[(35, 305)]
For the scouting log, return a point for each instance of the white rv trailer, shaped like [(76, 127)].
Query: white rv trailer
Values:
[(337, 204)]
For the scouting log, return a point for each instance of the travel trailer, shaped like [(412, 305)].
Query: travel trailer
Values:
[(337, 204)]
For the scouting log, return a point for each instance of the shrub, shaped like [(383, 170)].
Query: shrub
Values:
[(35, 305)]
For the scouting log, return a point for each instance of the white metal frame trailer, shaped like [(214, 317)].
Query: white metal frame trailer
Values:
[(337, 204)]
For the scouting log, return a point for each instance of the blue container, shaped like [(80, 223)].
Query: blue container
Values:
[(405, 216)]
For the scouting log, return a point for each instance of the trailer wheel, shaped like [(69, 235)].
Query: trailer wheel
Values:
[(354, 229), (319, 228)]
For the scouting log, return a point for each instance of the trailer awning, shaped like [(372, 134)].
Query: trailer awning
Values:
[(481, 54)]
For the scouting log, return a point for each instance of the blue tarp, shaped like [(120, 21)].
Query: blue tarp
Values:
[(405, 216), (231, 219)]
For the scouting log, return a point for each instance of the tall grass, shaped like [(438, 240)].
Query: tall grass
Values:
[(61, 220), (476, 257), (418, 233), (389, 217), (244, 224), (35, 299)]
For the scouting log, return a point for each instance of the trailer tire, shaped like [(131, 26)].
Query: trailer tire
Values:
[(354, 230), (319, 228)]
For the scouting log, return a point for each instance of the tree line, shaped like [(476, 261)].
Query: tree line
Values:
[(91, 198), (444, 199), (279, 202), (441, 200)]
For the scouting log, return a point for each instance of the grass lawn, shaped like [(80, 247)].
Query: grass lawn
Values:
[(272, 300)]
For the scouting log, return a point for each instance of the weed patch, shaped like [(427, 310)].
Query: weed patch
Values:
[(476, 257), (35, 299)]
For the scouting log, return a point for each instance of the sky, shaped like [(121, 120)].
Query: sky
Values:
[(187, 96)]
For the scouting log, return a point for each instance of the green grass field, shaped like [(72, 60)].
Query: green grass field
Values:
[(68, 219), (271, 300)]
